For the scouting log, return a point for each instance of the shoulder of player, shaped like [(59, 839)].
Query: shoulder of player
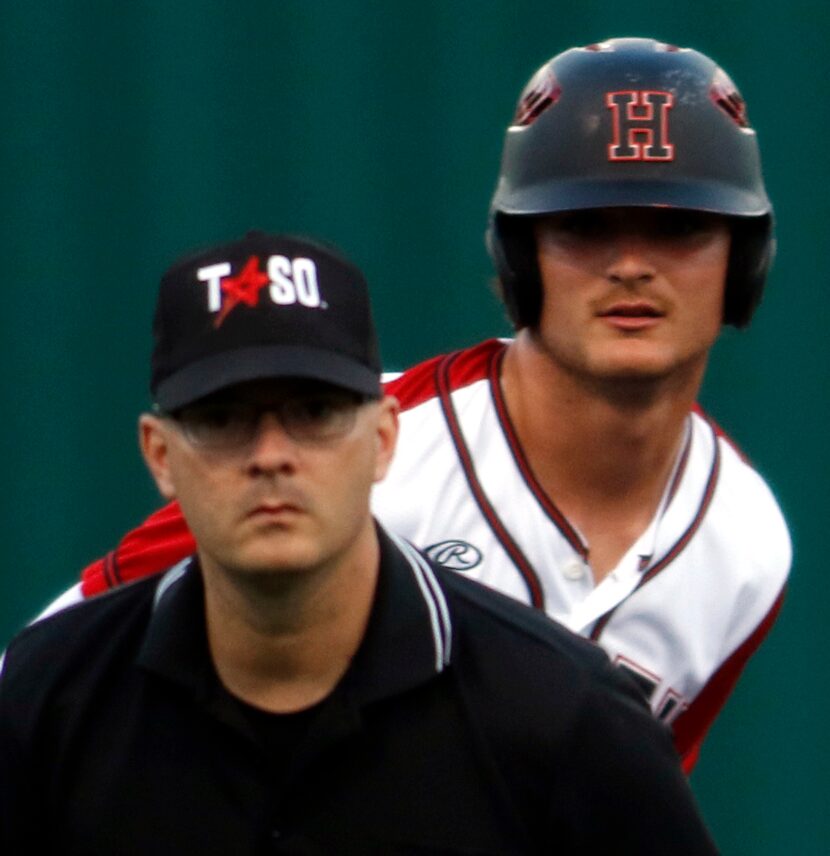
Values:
[(419, 383), (731, 452), (745, 508), (743, 544)]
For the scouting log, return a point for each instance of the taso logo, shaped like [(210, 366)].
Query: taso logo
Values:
[(288, 281)]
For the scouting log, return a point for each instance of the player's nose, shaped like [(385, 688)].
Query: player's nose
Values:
[(630, 260)]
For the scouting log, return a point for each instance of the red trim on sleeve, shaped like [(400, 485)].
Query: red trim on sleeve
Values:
[(691, 727), (159, 542), (417, 385)]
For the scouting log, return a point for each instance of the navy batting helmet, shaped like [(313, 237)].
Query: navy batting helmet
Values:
[(630, 122)]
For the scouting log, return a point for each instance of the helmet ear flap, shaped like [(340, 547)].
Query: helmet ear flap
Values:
[(750, 258), (512, 247)]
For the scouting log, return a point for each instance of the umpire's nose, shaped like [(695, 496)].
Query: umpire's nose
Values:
[(272, 450)]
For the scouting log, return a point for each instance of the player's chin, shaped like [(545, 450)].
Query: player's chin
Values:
[(633, 360), (633, 379)]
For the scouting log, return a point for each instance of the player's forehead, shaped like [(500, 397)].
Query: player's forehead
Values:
[(654, 216)]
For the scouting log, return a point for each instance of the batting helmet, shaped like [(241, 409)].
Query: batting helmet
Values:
[(630, 122)]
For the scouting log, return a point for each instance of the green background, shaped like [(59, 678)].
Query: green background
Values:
[(135, 131)]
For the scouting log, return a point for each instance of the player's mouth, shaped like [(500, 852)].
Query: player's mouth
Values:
[(631, 316)]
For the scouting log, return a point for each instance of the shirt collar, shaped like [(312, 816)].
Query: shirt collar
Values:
[(646, 544), (408, 638), (175, 644), (409, 635)]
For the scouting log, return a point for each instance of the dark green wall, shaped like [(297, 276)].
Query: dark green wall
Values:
[(134, 131)]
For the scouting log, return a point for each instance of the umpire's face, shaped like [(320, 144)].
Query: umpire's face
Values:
[(273, 477)]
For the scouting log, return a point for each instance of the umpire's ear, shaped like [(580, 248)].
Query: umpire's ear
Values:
[(154, 440), (386, 431)]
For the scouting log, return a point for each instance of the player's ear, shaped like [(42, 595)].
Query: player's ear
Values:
[(153, 440), (387, 434)]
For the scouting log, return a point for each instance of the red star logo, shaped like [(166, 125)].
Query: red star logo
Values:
[(242, 288)]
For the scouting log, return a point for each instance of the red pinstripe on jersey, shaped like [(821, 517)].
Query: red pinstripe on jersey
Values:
[(444, 377), (549, 506)]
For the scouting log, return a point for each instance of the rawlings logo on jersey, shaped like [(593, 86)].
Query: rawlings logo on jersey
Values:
[(640, 121), (455, 554), (288, 281)]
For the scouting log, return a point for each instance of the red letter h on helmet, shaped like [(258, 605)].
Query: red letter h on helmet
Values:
[(641, 125)]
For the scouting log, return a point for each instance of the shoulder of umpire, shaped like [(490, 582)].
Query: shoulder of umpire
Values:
[(64, 645)]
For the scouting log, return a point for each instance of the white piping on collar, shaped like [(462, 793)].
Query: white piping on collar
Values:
[(170, 577), (439, 614)]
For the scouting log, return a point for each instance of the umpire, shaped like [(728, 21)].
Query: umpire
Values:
[(307, 682)]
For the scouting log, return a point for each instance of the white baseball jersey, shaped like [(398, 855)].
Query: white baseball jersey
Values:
[(684, 608)]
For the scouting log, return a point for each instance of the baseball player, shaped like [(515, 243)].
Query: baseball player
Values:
[(570, 466)]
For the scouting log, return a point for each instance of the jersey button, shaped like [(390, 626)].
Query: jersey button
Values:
[(574, 569)]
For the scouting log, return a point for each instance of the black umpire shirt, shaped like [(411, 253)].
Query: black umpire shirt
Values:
[(466, 723)]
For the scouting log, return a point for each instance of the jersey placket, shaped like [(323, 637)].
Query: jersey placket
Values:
[(618, 584)]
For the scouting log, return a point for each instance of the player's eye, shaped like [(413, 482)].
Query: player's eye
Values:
[(582, 224), (677, 224)]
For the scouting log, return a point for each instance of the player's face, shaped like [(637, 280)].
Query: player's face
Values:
[(273, 476), (631, 293)]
